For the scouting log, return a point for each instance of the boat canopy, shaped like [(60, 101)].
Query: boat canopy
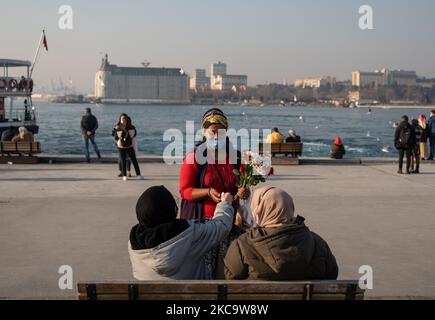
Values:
[(14, 63)]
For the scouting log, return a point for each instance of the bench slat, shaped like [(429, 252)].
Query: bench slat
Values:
[(20, 147), (230, 290)]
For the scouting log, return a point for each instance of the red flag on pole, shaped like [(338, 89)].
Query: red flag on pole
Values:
[(44, 41)]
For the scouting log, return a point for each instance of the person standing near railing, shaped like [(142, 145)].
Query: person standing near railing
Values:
[(89, 126)]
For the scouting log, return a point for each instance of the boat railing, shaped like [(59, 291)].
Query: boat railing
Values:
[(22, 114), (16, 85)]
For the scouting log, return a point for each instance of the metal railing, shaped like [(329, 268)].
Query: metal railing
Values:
[(16, 85)]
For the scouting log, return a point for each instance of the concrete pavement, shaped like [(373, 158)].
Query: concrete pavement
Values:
[(80, 215)]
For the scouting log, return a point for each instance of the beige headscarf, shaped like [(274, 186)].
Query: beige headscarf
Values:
[(272, 207)]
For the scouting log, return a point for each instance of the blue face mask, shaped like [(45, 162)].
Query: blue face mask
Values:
[(215, 144)]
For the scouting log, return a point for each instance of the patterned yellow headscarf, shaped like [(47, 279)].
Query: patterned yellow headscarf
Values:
[(214, 116)]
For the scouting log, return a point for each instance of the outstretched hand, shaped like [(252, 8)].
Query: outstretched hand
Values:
[(227, 197)]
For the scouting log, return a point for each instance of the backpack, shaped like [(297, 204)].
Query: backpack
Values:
[(405, 137), (126, 140)]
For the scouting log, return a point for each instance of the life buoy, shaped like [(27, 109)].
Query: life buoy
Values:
[(13, 83), (3, 83)]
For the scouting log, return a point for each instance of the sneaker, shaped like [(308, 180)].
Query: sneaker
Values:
[(430, 158), (400, 172), (124, 178), (139, 178), (129, 174), (120, 175)]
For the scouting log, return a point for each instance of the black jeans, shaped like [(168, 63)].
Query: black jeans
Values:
[(123, 153), (402, 153), (432, 146)]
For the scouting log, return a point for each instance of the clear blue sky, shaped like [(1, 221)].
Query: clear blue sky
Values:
[(270, 40)]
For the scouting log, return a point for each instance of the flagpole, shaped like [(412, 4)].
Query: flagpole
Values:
[(37, 53)]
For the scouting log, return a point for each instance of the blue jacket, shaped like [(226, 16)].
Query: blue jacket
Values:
[(431, 124)]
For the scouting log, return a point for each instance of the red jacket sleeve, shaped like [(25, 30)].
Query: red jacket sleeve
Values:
[(188, 174)]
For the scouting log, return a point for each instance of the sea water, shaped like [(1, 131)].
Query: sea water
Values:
[(318, 126)]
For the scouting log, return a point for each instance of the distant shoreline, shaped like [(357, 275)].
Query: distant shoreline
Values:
[(308, 105)]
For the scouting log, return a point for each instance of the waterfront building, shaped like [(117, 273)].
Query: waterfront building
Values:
[(141, 84), (220, 80), (315, 82), (384, 77), (199, 80), (230, 82), (218, 69)]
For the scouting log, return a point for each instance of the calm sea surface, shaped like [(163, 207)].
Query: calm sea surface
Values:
[(364, 135)]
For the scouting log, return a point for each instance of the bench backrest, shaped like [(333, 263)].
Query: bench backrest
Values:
[(20, 147), (221, 290), (293, 147)]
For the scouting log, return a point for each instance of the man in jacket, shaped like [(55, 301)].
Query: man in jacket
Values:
[(89, 126), (431, 126), (404, 141)]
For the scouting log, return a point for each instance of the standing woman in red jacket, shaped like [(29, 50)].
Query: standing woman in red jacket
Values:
[(201, 185)]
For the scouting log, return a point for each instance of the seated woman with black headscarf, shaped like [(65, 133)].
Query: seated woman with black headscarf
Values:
[(162, 247)]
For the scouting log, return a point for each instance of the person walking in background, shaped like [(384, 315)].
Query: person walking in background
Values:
[(337, 149), (415, 151), (89, 126), (431, 133), (125, 134), (275, 137), (280, 247), (404, 141), (423, 141)]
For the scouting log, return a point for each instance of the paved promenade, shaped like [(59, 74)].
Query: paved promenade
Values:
[(80, 215)]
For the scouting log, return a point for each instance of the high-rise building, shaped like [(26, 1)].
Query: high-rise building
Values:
[(199, 80), (218, 69), (220, 80)]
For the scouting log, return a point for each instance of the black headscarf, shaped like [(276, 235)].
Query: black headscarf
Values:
[(156, 212)]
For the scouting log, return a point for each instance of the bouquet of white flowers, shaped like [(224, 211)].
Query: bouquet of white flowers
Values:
[(255, 170)]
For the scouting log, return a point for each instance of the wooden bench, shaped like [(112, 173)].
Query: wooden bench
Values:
[(220, 290), (21, 148), (294, 149)]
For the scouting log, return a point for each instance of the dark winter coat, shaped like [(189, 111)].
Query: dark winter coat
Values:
[(89, 123), (290, 252), (337, 151), (404, 145)]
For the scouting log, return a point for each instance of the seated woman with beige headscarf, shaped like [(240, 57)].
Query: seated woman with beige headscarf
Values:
[(280, 246)]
